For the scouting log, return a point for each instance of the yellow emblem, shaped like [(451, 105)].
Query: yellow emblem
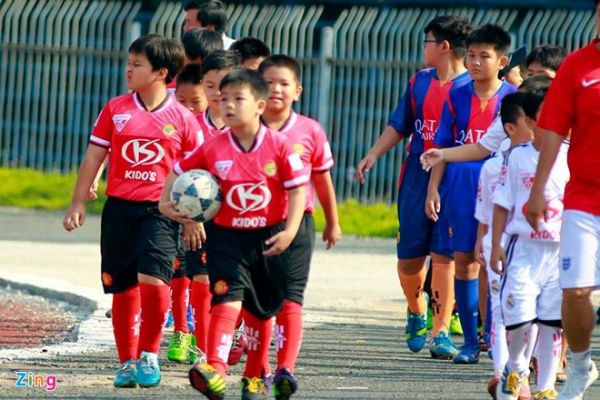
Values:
[(298, 148), (271, 168), (169, 129)]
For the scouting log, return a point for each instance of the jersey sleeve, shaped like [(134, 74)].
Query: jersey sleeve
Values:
[(444, 137), (504, 195), (482, 204), (193, 136), (103, 128), (494, 136), (558, 110), (403, 117), (292, 171), (195, 160), (322, 158)]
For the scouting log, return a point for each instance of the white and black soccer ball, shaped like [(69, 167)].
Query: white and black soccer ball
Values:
[(197, 194)]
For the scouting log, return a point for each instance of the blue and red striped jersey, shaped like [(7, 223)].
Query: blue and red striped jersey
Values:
[(419, 112), (466, 117)]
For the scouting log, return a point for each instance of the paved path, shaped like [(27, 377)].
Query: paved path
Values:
[(353, 347)]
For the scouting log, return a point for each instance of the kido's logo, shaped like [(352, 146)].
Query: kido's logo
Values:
[(143, 152), (247, 197)]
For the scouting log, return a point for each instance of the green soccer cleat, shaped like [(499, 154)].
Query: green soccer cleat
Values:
[(429, 318), (455, 326), (205, 379), (253, 389), (179, 347)]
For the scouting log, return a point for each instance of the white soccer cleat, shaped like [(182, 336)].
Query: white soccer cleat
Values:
[(577, 383)]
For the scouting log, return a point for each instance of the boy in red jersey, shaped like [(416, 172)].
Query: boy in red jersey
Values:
[(262, 180), (282, 74), (572, 106), (213, 69), (147, 131)]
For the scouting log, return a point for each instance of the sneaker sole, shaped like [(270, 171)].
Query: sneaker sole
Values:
[(465, 362), (149, 385), (284, 389), (199, 383), (178, 360), (441, 357), (127, 385)]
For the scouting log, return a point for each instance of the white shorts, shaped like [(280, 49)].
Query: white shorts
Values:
[(494, 282), (530, 288), (580, 250)]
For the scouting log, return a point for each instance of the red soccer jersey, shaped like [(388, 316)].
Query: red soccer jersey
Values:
[(143, 145), (208, 128), (253, 182), (310, 142), (572, 105)]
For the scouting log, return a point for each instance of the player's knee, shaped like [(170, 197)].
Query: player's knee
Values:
[(411, 266)]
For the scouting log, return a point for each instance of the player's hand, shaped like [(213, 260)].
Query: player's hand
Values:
[(431, 158), (167, 208), (92, 194), (433, 205), (364, 166), (74, 217), (193, 235), (536, 210), (331, 235), (498, 260), (478, 251), (277, 243)]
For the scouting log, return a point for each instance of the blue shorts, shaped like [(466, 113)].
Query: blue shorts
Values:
[(460, 186), (417, 234)]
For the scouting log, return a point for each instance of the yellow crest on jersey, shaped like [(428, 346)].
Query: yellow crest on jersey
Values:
[(298, 148), (169, 129), (270, 168)]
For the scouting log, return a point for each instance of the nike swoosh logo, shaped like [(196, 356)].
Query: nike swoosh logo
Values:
[(587, 83)]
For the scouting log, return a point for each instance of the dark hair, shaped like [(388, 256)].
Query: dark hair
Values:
[(281, 60), (220, 59), (189, 74), (512, 107), (493, 35), (245, 76), (533, 102), (213, 12), (200, 42), (161, 53), (452, 29), (536, 84), (193, 4), (250, 47), (548, 55)]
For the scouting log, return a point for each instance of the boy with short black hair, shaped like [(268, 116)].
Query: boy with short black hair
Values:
[(246, 248), (467, 115), (282, 74), (147, 131), (252, 51), (199, 43), (529, 262), (549, 58), (189, 90), (545, 60), (214, 68), (417, 116)]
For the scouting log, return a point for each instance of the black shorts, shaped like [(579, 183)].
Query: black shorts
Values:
[(196, 260), (238, 271), (135, 238), (180, 264), (300, 251)]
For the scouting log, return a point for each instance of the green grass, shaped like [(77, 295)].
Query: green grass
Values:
[(27, 188)]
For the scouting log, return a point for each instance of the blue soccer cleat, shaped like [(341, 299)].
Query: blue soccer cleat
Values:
[(148, 371), (126, 376), (416, 331), (467, 355), (442, 347)]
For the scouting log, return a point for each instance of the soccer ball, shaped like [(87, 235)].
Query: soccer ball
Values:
[(197, 194)]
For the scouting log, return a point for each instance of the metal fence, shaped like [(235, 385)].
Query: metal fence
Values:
[(61, 60)]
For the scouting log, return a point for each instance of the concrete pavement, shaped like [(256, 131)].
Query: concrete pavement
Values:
[(353, 346)]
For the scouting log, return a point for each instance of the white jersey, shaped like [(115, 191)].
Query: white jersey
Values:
[(512, 193), (488, 180), (494, 136)]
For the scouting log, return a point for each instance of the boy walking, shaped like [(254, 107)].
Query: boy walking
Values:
[(147, 131), (262, 180)]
